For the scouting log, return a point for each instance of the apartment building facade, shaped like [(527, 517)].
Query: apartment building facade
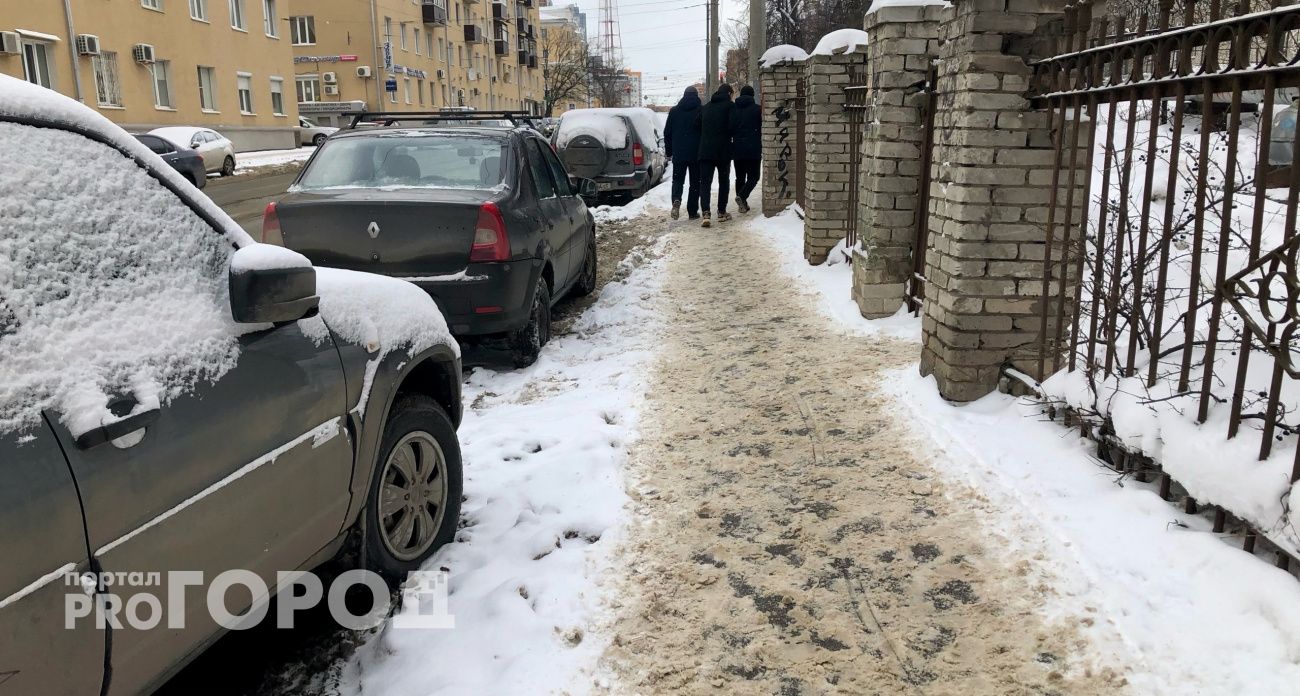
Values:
[(414, 55), (220, 64)]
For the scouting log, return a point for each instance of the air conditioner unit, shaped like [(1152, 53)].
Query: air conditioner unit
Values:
[(363, 71), (331, 90), (9, 42), (442, 74), (329, 78), (143, 53), (494, 79), (87, 44), (473, 75)]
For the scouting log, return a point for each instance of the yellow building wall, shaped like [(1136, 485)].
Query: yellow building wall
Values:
[(186, 44)]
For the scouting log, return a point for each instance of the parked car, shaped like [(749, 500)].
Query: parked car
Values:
[(177, 397), (486, 220), (312, 134), (185, 160), (217, 151), (619, 149)]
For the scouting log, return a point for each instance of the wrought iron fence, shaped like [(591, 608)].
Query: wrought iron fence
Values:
[(801, 141), (1170, 279), (915, 286), (855, 108)]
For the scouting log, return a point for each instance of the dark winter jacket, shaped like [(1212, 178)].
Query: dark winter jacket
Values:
[(715, 126), (746, 129), (682, 132)]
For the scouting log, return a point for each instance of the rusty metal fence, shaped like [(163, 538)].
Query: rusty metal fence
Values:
[(914, 293), (855, 109), (1171, 278), (801, 141)]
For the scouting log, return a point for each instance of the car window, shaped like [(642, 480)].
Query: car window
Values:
[(197, 140), (406, 160), (110, 283), (557, 171), (156, 144), (537, 166)]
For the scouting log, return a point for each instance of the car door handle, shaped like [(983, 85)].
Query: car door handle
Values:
[(118, 428)]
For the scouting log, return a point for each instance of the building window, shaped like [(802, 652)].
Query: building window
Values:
[(428, 43), (162, 87), (269, 18), (37, 64), (416, 35), (401, 29), (152, 4), (442, 55), (107, 88), (237, 15), (207, 89), (199, 10), (302, 30), (406, 89), (419, 90), (392, 97), (277, 96), (244, 86), (308, 88)]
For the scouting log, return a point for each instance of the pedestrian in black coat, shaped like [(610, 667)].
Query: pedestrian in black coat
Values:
[(682, 145), (715, 151), (746, 144)]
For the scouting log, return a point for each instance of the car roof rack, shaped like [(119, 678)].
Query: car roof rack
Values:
[(388, 118)]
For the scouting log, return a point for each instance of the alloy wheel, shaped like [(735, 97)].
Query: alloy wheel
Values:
[(413, 495)]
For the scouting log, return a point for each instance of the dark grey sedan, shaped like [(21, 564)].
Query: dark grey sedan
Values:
[(181, 403), (185, 160)]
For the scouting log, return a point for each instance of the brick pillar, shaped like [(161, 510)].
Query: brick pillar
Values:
[(904, 39), (780, 133), (991, 185), (826, 215)]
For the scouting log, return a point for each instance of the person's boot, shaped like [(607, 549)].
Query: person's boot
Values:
[(706, 222), (677, 210), (742, 205), (724, 217)]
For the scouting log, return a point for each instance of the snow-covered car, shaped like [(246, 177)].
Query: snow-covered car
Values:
[(185, 160), (177, 397), (619, 149), (312, 134), (216, 149)]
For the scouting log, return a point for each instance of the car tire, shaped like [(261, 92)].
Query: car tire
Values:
[(228, 166), (318, 140), (526, 343), (419, 442), (586, 283)]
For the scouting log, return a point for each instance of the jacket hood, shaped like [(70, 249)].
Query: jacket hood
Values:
[(689, 101), (745, 100), (720, 96)]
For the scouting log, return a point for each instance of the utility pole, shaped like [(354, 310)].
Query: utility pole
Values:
[(757, 40), (714, 44)]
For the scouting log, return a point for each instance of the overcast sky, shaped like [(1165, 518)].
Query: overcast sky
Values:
[(664, 39)]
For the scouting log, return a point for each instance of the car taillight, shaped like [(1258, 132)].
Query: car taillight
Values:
[(638, 154), (271, 226), (490, 240)]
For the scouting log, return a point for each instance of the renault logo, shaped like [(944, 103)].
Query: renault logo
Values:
[(373, 229)]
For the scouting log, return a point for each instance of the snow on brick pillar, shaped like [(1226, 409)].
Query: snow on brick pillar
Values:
[(782, 69), (902, 42), (989, 194), (826, 197)]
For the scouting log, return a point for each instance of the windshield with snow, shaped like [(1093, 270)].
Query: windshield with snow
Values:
[(406, 161)]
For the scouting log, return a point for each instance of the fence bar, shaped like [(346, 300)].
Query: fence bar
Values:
[(1198, 235), (1058, 134), (1167, 237)]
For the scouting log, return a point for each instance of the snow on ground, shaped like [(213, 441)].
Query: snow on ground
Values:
[(544, 450), (832, 281), (247, 162), (1184, 611), (658, 197)]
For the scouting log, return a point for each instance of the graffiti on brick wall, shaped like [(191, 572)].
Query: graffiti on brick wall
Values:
[(782, 113)]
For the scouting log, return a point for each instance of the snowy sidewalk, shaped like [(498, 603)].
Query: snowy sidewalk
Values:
[(789, 533)]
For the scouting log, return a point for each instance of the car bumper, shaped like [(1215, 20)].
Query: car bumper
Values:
[(485, 298), (621, 183)]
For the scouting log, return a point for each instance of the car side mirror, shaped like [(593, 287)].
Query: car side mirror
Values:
[(587, 188), (271, 285)]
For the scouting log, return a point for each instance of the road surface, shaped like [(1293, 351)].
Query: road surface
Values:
[(244, 197)]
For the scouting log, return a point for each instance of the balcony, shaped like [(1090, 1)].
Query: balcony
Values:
[(521, 25), (502, 47), (523, 57), (433, 13), (500, 12), (532, 60), (474, 34)]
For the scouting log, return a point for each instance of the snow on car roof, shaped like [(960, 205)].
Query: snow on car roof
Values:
[(181, 133), (613, 131), (23, 100)]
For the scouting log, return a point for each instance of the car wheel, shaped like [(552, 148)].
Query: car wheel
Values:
[(318, 140), (413, 506), (587, 280), (526, 343), (228, 166)]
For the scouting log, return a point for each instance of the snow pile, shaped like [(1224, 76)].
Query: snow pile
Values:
[(544, 450), (841, 41), (785, 53), (265, 257), (29, 101), (657, 197), (878, 5), (247, 162), (1159, 591), (832, 281), (602, 124), (109, 284)]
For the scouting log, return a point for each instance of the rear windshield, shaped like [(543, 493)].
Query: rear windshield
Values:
[(406, 161)]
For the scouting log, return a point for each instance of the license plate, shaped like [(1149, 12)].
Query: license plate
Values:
[(603, 186)]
